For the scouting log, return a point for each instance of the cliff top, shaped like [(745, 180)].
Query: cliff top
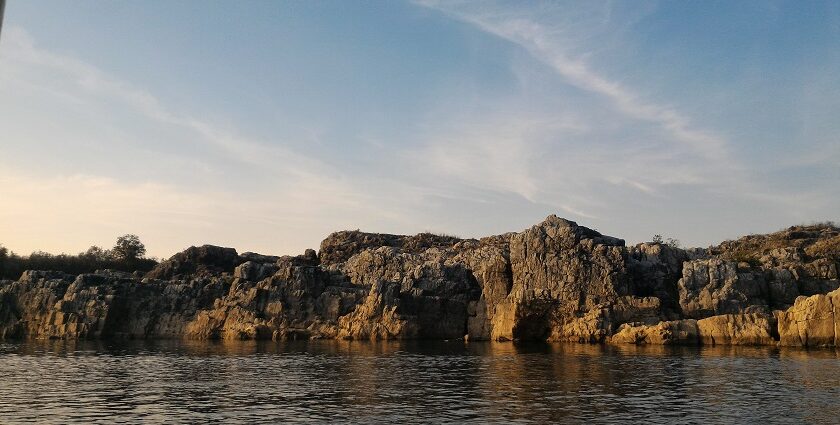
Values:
[(803, 242)]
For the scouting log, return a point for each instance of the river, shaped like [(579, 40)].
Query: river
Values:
[(414, 382)]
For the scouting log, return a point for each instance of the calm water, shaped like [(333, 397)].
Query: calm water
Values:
[(330, 381)]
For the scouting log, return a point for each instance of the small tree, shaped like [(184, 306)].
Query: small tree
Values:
[(657, 238), (128, 248), (96, 253)]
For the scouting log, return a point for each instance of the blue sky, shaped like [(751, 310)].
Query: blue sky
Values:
[(267, 125)]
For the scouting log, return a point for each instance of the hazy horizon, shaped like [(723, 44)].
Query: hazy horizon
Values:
[(267, 126)]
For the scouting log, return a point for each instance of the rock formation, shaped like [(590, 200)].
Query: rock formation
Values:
[(556, 281), (812, 321)]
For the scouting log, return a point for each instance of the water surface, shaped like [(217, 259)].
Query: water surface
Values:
[(341, 381)]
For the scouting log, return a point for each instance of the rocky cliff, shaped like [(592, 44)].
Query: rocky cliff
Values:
[(556, 281)]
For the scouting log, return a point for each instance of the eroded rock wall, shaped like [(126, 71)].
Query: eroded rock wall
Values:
[(555, 281)]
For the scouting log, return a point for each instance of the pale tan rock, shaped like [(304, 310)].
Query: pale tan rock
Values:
[(675, 332), (811, 322), (737, 329), (563, 275), (554, 281)]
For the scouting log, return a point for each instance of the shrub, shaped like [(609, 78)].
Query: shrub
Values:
[(94, 258)]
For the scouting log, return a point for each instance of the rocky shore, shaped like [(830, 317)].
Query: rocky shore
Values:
[(556, 281)]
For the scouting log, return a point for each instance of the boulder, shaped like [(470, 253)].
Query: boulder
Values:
[(258, 258), (253, 271), (204, 260), (674, 332), (811, 322), (737, 329)]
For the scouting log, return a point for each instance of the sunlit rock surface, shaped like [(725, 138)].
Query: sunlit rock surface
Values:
[(556, 281)]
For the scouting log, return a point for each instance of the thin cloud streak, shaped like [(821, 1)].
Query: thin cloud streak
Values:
[(298, 197), (539, 41), (688, 155), (648, 153), (20, 48), (544, 125)]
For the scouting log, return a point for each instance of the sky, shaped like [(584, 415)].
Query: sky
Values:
[(265, 126)]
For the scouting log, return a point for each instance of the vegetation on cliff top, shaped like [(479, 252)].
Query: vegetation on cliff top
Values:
[(126, 255), (817, 240)]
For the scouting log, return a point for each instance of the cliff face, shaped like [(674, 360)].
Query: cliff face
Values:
[(556, 281)]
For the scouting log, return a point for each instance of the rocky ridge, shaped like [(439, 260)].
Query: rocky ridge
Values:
[(556, 281)]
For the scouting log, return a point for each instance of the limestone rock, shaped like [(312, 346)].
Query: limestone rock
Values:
[(102, 305), (811, 322), (489, 261), (561, 272), (253, 271), (411, 295), (205, 259), (655, 269), (26, 305), (737, 329), (674, 332), (340, 246), (258, 258), (713, 287), (300, 301), (555, 281)]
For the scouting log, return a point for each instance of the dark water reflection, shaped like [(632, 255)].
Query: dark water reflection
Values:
[(340, 381)]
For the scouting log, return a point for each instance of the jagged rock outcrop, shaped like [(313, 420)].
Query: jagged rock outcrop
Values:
[(712, 287), (254, 271), (561, 273), (556, 281), (27, 303), (300, 300), (411, 295), (760, 273)]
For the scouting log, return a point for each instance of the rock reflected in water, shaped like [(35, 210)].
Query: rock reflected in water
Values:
[(412, 382)]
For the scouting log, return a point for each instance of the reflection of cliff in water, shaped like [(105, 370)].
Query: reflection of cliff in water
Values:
[(405, 381)]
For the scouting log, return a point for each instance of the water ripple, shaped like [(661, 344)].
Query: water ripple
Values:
[(420, 382)]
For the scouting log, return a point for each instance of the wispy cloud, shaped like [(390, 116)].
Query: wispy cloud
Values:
[(630, 147), (636, 156), (546, 43), (551, 122), (20, 49), (297, 195)]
